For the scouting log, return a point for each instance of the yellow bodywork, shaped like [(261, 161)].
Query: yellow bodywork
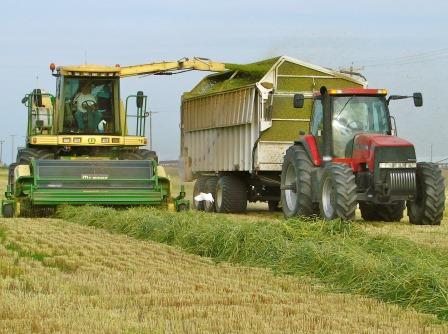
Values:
[(88, 140)]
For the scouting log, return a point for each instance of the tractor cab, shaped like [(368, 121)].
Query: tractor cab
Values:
[(351, 112)]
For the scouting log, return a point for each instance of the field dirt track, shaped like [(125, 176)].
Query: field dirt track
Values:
[(57, 276)]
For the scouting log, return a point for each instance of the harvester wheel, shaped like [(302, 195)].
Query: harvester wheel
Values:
[(8, 210), (382, 212), (273, 205), (199, 187), (296, 188), (210, 187), (139, 155), (231, 195), (428, 207), (24, 156), (338, 193)]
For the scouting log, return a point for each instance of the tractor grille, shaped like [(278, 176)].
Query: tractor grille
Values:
[(402, 181)]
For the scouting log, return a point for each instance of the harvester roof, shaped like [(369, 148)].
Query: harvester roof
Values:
[(88, 70)]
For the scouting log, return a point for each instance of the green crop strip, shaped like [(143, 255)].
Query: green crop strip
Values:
[(338, 254)]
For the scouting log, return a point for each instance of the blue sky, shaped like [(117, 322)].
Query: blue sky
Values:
[(402, 46)]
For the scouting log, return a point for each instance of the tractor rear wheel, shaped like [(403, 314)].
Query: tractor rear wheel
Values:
[(210, 187), (296, 187), (231, 195), (199, 187), (429, 204), (382, 212), (338, 193)]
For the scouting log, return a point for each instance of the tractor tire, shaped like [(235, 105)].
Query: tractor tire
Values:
[(199, 187), (273, 205), (296, 188), (428, 206), (338, 193), (24, 156), (382, 212), (8, 210), (231, 195), (210, 187)]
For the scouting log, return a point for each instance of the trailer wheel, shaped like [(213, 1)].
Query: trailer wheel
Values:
[(382, 212), (429, 204), (7, 210), (296, 187), (231, 195), (210, 187), (199, 187), (338, 193)]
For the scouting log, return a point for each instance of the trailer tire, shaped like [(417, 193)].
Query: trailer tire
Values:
[(210, 187), (338, 193), (382, 212), (296, 173), (199, 187), (428, 207), (231, 195), (8, 210)]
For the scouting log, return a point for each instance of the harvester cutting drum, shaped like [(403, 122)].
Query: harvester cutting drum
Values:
[(80, 149)]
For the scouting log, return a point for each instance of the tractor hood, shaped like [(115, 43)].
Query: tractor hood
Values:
[(371, 149)]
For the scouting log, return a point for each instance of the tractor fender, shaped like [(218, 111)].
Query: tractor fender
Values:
[(308, 142)]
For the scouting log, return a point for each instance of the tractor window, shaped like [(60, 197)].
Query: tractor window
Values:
[(357, 114), (316, 123), (88, 106)]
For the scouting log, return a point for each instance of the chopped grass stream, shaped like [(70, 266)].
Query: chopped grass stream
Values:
[(339, 254)]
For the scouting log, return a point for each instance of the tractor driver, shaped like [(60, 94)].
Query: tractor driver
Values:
[(87, 109), (349, 118)]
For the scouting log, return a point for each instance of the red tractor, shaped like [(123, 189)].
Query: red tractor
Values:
[(352, 156)]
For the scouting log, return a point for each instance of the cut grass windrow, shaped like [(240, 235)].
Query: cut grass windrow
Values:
[(347, 259)]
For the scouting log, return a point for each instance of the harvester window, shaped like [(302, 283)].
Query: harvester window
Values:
[(88, 106), (357, 114)]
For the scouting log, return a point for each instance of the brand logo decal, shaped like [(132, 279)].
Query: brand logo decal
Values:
[(94, 177)]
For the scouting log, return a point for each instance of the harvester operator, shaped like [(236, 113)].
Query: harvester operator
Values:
[(87, 109)]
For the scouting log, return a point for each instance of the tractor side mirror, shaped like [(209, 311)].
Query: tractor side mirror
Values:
[(418, 99), (299, 99), (139, 99), (25, 99)]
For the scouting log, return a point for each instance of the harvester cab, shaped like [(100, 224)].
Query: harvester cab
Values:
[(352, 156), (85, 146)]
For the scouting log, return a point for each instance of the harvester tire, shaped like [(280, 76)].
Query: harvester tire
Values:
[(8, 210), (382, 212), (338, 193), (296, 188), (231, 195), (273, 205), (199, 187), (210, 187), (139, 155), (429, 204), (24, 156)]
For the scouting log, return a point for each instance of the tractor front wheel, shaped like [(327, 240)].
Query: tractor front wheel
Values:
[(429, 204), (338, 193)]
